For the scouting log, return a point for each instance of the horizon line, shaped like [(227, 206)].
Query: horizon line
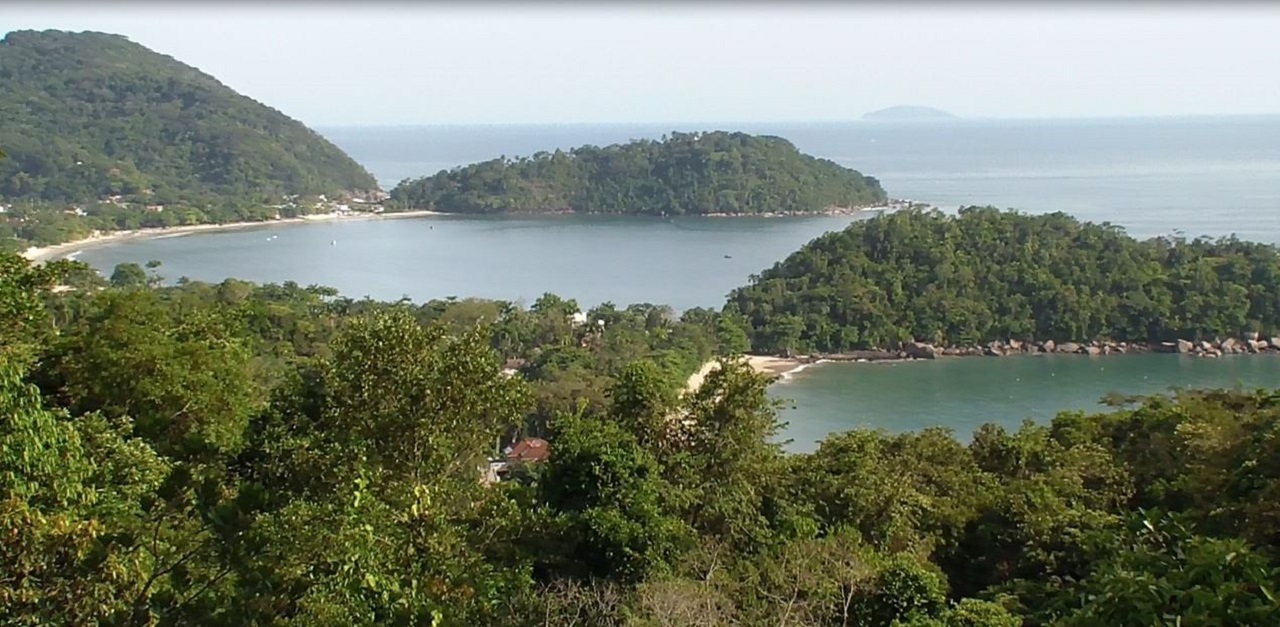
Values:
[(855, 120)]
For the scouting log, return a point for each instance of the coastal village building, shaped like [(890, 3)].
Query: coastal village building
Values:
[(525, 452)]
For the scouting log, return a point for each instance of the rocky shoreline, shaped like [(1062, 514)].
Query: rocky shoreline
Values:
[(921, 350)]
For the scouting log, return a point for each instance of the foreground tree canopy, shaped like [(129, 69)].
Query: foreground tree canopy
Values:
[(91, 115), (236, 454), (684, 174), (988, 275)]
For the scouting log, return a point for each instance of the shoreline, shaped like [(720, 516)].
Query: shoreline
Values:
[(923, 352), (41, 254), (781, 367), (828, 212), (785, 368)]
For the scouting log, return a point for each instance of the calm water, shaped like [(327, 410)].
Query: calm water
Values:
[(1210, 176), (679, 262), (1206, 175), (964, 393)]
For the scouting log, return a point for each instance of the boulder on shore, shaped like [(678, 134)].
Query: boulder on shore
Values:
[(1048, 346), (1185, 346), (1068, 347), (920, 350)]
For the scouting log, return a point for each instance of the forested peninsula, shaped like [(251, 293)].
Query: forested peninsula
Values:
[(102, 133), (682, 174), (984, 275), (232, 454)]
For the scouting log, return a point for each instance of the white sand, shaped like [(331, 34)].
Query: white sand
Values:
[(98, 238), (763, 364)]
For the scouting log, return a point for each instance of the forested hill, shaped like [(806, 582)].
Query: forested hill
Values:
[(988, 275), (91, 115), (684, 173)]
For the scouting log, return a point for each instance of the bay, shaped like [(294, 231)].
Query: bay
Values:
[(683, 263), (1212, 176)]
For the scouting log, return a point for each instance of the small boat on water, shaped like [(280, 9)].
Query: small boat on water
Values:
[(333, 243), (728, 256)]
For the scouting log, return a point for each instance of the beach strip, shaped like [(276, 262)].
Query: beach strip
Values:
[(763, 364), (39, 254)]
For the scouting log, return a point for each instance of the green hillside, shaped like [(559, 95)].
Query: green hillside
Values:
[(92, 115), (685, 173), (987, 275)]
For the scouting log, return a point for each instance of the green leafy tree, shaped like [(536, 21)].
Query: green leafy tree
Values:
[(608, 495), (129, 275)]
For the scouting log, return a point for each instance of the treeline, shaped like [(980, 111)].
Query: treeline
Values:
[(684, 174), (91, 115), (235, 454), (24, 224), (988, 275)]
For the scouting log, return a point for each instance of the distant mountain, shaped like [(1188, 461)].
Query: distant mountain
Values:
[(909, 112), (684, 174), (90, 115)]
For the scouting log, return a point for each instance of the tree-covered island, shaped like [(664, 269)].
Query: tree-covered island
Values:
[(682, 174), (1017, 280)]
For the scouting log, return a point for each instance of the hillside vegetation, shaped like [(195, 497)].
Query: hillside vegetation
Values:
[(683, 174), (90, 115), (292, 457), (988, 275)]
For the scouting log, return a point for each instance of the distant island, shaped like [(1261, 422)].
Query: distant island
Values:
[(909, 112), (715, 173), (103, 134)]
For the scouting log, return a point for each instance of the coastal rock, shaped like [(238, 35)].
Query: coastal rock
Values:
[(993, 349), (1207, 346), (1093, 350), (1229, 345), (1256, 345), (1048, 346), (1015, 345), (1185, 346), (1068, 347), (920, 350), (1275, 343)]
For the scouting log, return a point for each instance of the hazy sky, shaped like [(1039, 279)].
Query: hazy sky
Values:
[(345, 64)]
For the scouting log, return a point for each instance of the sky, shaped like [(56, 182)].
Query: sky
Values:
[(353, 64)]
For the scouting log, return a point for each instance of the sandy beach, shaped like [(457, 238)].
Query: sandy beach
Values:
[(763, 364), (47, 253)]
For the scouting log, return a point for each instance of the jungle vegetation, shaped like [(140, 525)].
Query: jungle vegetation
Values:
[(230, 454)]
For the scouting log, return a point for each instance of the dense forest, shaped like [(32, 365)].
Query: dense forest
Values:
[(987, 275), (683, 174), (238, 454), (88, 116)]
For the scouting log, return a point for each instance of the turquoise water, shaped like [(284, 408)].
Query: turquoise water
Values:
[(964, 393), (1197, 176)]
